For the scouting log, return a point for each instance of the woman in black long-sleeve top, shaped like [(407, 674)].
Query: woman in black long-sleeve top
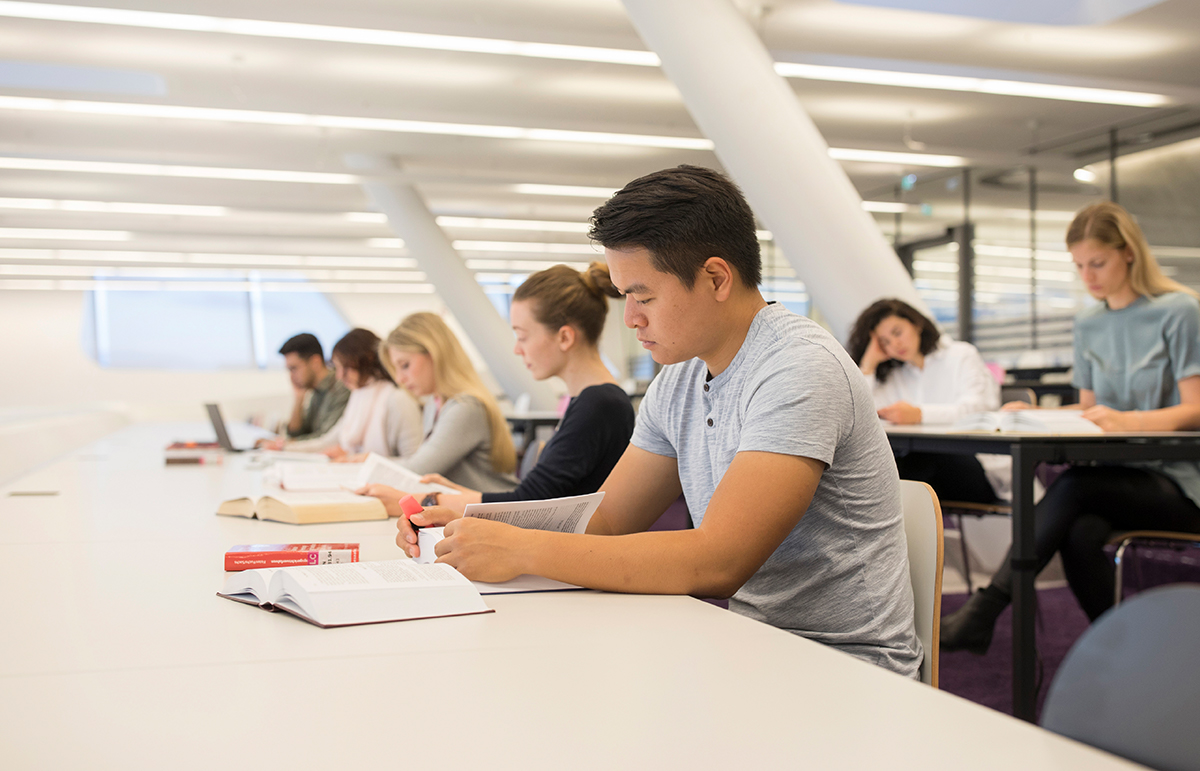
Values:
[(558, 315)]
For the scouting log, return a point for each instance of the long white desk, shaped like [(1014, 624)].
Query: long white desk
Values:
[(115, 653)]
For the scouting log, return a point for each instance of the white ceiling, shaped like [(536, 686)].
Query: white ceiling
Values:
[(1154, 50)]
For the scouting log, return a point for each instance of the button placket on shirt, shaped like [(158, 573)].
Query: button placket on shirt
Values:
[(708, 403)]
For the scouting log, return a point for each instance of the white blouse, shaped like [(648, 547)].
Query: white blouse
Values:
[(379, 418), (953, 384)]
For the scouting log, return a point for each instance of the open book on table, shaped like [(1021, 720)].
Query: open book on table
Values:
[(1029, 421), (376, 469), (564, 515), (307, 508), (358, 592)]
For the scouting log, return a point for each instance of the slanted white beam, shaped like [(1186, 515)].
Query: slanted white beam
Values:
[(409, 216), (770, 147)]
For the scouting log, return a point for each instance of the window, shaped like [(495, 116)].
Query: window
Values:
[(180, 328)]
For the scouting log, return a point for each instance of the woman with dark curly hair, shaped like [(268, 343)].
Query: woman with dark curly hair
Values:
[(919, 375)]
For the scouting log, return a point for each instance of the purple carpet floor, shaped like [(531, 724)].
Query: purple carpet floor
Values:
[(987, 679)]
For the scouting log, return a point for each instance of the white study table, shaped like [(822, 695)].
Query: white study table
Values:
[(115, 653)]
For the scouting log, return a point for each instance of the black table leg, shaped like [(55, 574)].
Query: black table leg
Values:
[(1024, 570)]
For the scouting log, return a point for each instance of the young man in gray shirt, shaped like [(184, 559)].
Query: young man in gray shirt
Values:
[(760, 419)]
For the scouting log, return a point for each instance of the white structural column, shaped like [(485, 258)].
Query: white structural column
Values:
[(770, 147), (411, 219)]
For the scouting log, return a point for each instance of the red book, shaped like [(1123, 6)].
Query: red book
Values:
[(282, 555)]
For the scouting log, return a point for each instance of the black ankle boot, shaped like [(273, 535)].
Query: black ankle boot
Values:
[(970, 627)]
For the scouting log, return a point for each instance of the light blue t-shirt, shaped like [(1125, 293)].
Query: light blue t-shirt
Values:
[(1134, 358), (841, 576)]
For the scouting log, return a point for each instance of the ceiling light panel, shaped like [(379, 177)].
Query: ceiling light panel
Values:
[(320, 32), (161, 170), (969, 84), (262, 117), (65, 234), (107, 207), (1090, 42)]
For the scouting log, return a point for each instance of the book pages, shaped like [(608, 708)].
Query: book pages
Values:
[(563, 515), (382, 471)]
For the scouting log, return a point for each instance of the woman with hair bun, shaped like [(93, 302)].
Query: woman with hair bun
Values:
[(1137, 368), (557, 315)]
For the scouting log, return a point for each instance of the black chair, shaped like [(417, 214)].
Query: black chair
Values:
[(1131, 686)]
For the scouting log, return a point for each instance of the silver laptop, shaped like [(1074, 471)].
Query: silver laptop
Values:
[(218, 424)]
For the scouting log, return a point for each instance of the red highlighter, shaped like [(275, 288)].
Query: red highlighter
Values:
[(410, 506)]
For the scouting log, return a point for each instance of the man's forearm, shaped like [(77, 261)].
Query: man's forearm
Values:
[(668, 562)]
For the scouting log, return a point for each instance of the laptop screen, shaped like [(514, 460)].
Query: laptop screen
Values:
[(218, 424)]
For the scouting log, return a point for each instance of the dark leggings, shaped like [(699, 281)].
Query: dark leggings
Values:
[(952, 477), (1083, 508)]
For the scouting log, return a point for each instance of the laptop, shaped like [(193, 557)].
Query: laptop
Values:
[(218, 424)]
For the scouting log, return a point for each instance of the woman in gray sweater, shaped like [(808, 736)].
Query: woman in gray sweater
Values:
[(466, 437)]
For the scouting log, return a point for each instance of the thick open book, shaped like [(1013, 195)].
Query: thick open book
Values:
[(1030, 422), (358, 592), (307, 508), (376, 469)]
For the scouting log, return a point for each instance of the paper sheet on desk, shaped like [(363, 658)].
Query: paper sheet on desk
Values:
[(428, 537)]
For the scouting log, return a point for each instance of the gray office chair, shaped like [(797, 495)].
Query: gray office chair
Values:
[(1187, 544), (1130, 684)]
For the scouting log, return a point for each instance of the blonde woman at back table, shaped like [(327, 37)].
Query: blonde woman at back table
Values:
[(1137, 368), (466, 437)]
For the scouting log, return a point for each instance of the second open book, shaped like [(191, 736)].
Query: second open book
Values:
[(1053, 422), (315, 493)]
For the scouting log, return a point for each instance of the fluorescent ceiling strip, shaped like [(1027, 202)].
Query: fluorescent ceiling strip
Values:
[(968, 84), (547, 226), (180, 112), (526, 247), (578, 191), (38, 104), (394, 38), (125, 285), (903, 159), (525, 266), (108, 207), (88, 271), (294, 31), (885, 207), (161, 170), (66, 235), (230, 260)]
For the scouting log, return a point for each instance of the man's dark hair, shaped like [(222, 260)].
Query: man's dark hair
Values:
[(682, 216), (305, 346)]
